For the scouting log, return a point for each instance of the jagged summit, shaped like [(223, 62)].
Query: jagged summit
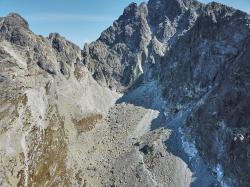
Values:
[(186, 45), (130, 9), (14, 28), (177, 6), (59, 42), (164, 90), (14, 20), (131, 34), (166, 8)]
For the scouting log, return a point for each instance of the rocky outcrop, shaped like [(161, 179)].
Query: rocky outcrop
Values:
[(201, 68), (196, 51), (45, 90), (183, 67), (115, 59), (142, 34)]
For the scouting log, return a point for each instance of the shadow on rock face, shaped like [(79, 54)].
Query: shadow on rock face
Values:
[(148, 95)]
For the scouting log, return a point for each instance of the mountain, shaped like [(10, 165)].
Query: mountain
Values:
[(160, 99)]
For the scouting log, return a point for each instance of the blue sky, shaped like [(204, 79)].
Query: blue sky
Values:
[(78, 20)]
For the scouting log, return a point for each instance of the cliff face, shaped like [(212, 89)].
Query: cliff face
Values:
[(199, 55), (208, 66), (137, 40), (184, 69)]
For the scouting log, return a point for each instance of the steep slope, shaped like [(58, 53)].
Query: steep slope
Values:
[(57, 127), (211, 59), (137, 40), (116, 57), (199, 55), (47, 99), (182, 120)]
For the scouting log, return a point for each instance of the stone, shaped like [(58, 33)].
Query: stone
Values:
[(164, 90)]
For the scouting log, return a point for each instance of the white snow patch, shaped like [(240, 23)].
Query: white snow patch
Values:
[(220, 175), (189, 147)]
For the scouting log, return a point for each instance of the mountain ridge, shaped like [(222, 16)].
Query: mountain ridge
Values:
[(178, 72)]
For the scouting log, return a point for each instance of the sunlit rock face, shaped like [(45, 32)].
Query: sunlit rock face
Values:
[(140, 35), (47, 98), (160, 99)]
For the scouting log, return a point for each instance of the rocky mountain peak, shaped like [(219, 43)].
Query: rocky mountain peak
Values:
[(15, 29), (14, 20), (183, 70), (132, 33), (134, 10), (59, 43), (130, 9), (220, 9), (171, 17), (170, 8)]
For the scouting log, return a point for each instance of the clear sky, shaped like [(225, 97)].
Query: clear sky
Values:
[(78, 20)]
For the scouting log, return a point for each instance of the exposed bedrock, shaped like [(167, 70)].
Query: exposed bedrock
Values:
[(160, 99)]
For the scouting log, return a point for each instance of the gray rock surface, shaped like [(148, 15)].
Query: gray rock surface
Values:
[(201, 67), (199, 55), (160, 99)]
